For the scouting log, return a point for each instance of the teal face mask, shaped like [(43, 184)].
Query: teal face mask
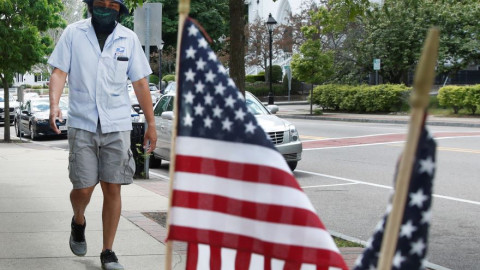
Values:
[(104, 19)]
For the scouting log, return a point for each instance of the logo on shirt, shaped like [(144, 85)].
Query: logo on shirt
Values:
[(119, 51)]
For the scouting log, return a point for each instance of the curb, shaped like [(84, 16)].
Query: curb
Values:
[(428, 265), (369, 120)]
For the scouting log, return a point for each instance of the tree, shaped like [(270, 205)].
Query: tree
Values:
[(21, 44), (312, 64), (212, 14)]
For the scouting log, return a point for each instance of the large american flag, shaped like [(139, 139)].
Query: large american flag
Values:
[(412, 240), (235, 200)]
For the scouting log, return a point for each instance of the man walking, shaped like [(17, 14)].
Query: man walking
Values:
[(98, 54)]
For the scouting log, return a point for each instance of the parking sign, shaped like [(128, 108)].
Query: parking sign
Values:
[(376, 64)]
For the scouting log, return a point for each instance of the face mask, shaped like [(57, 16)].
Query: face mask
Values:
[(103, 19)]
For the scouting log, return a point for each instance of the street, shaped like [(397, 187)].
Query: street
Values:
[(349, 182)]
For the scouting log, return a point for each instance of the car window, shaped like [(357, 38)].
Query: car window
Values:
[(170, 105), (1, 99), (40, 107), (254, 106), (161, 106)]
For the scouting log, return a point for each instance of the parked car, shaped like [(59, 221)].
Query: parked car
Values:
[(171, 88), (282, 133), (12, 106), (155, 94), (32, 119)]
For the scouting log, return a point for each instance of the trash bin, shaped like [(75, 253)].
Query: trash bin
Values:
[(136, 145)]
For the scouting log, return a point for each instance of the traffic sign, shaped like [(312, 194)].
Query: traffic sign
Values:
[(376, 64)]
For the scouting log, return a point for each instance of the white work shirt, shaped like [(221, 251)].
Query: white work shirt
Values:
[(97, 80)]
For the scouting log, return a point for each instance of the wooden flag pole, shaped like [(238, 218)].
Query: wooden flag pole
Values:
[(183, 11), (424, 76)]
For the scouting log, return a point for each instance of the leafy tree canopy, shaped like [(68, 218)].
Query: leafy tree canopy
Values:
[(212, 14), (21, 44)]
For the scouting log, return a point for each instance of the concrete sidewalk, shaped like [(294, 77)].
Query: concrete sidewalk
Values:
[(301, 110), (35, 215)]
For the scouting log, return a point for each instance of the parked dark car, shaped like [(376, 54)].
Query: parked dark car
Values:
[(33, 119), (12, 108)]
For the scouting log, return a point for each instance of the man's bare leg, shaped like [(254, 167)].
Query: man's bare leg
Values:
[(112, 207), (80, 199)]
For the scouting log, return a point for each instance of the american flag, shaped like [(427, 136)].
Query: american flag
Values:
[(412, 242), (235, 200)]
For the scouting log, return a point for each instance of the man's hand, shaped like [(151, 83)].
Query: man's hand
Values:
[(55, 113), (150, 139)]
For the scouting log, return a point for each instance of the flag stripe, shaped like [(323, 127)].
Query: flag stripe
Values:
[(215, 258), (264, 231), (239, 190), (192, 258), (235, 170), (233, 152), (259, 211), (320, 257), (242, 260)]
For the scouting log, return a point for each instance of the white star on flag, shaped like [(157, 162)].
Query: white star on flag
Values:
[(200, 64), (210, 76), (418, 247), (227, 124), (250, 127), (191, 53), (230, 102), (189, 97), (202, 43), (239, 114), (427, 165), (407, 229), (219, 88), (190, 75), (208, 122), (418, 198), (199, 109), (199, 86), (187, 120), (398, 259)]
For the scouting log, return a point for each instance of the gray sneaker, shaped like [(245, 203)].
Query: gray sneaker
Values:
[(109, 261), (77, 242)]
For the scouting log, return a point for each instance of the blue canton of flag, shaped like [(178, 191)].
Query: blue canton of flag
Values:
[(412, 241), (210, 105)]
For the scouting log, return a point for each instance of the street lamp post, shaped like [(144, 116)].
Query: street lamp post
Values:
[(160, 48), (270, 23)]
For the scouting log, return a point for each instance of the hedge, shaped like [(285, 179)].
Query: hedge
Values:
[(362, 98), (458, 97), (255, 78), (168, 78), (261, 89), (276, 73)]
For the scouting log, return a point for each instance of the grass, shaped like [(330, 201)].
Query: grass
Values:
[(344, 243)]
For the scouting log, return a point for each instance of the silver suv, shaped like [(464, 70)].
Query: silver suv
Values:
[(282, 133)]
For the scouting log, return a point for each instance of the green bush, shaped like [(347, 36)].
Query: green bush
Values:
[(37, 87), (361, 98), (169, 78), (261, 89), (452, 96), (154, 79), (472, 98), (254, 78), (276, 73)]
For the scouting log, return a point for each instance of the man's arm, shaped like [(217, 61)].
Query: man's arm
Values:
[(57, 83), (145, 100)]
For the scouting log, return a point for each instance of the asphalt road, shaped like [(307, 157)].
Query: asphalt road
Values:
[(349, 182)]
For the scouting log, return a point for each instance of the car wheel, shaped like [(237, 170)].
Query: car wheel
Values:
[(155, 162), (292, 165), (17, 128), (33, 136)]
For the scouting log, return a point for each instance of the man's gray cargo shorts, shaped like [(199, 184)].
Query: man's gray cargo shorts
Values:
[(98, 157)]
